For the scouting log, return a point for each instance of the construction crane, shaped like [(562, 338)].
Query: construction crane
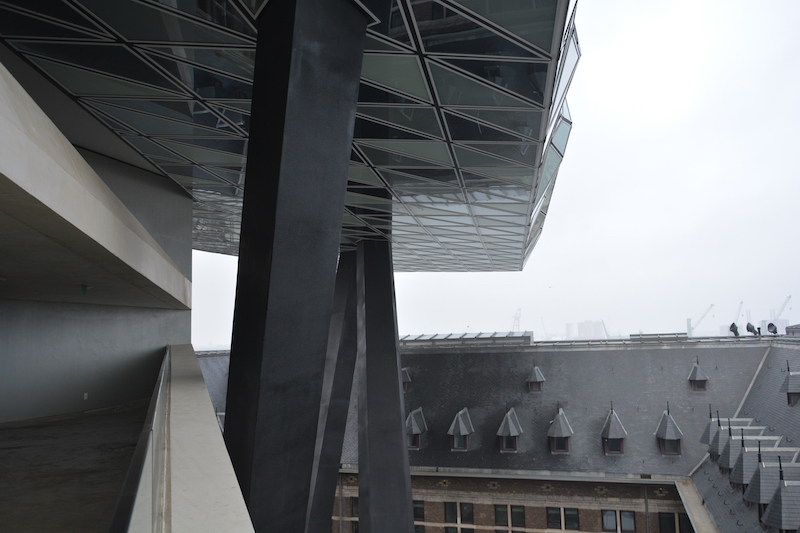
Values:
[(517, 316), (691, 327), (780, 311), (604, 328)]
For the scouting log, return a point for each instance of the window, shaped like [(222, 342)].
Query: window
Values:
[(450, 512), (613, 446), (559, 444), (466, 514), (670, 446), (698, 384), (666, 522), (353, 506), (609, 520), (413, 441), (554, 517), (518, 516), (792, 397), (458, 442), (571, 519), (501, 515), (627, 521), (534, 386), (451, 530), (508, 444), (419, 515)]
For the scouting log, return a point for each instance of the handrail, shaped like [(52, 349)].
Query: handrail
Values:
[(123, 511)]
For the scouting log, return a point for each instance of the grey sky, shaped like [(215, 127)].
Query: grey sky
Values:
[(679, 188)]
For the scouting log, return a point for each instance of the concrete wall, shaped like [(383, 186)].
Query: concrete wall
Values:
[(160, 204), (51, 354)]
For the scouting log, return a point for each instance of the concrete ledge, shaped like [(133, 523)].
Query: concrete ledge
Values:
[(47, 186), (204, 492)]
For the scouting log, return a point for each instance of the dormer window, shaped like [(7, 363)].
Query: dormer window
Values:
[(792, 397), (535, 380), (559, 433), (613, 433), (509, 430), (791, 386), (460, 430), (406, 379), (698, 378), (415, 426), (669, 435)]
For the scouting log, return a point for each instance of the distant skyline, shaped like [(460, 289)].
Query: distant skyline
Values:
[(679, 187)]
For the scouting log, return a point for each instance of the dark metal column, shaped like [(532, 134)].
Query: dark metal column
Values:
[(308, 64), (340, 364), (384, 481)]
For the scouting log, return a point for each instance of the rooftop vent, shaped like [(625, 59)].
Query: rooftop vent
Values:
[(460, 430)]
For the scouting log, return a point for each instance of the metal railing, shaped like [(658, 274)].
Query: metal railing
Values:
[(140, 507)]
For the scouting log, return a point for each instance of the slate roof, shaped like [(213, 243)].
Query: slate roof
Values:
[(723, 502), (462, 424), (766, 479), (415, 422), (667, 428), (697, 373), (560, 426), (613, 428), (791, 383), (510, 427), (783, 512), (714, 423), (536, 375), (746, 463), (735, 445), (406, 375)]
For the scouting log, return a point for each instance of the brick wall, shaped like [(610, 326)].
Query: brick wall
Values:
[(590, 520)]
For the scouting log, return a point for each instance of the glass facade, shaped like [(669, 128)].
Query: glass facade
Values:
[(461, 118)]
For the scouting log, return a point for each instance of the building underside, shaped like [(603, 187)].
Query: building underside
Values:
[(371, 136)]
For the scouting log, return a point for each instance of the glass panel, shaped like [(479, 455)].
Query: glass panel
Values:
[(402, 73), (139, 22), (392, 23), (571, 519), (468, 158), (450, 511), (565, 111), (570, 62), (509, 442), (459, 441), (609, 520), (561, 136), (83, 83), (627, 521), (533, 21), (550, 167), (462, 129), (235, 62), (455, 89), (386, 159), (518, 516), (369, 94), (501, 515), (204, 82), (521, 175), (466, 514), (368, 129), (13, 24), (148, 147), (56, 10), (671, 446), (523, 153), (666, 523), (443, 175), (373, 44), (417, 118), (686, 525), (363, 175), (445, 31), (353, 506), (204, 156), (525, 79), (523, 122), (152, 125), (614, 445), (433, 150), (218, 11), (554, 517), (110, 59)]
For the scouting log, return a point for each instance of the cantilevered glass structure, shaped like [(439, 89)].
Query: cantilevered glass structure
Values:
[(462, 117)]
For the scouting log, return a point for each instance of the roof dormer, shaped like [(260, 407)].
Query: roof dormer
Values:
[(535, 380), (460, 430), (669, 435), (613, 433), (559, 433), (406, 378), (697, 377), (791, 385), (415, 426), (509, 430)]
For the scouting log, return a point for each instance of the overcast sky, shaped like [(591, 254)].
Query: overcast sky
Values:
[(679, 187)]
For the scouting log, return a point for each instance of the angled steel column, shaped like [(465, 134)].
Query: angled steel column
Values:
[(308, 65), (340, 363), (384, 481)]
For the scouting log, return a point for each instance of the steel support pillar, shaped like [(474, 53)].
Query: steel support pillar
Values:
[(308, 65), (340, 364), (384, 481)]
